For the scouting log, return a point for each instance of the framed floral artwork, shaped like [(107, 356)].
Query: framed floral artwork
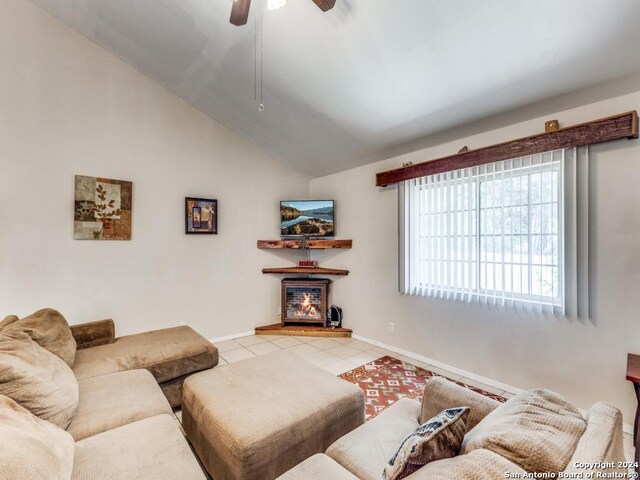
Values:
[(102, 209)]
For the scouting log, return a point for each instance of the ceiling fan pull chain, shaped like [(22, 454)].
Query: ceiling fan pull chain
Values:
[(261, 105), (255, 57)]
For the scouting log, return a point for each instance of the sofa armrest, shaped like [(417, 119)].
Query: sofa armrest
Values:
[(601, 442), (441, 393), (93, 334)]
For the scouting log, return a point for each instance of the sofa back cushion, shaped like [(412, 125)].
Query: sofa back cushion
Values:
[(32, 448), (37, 379), (49, 329), (440, 393), (537, 430)]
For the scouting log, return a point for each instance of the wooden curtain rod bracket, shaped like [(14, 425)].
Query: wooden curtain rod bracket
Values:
[(551, 126), (624, 125)]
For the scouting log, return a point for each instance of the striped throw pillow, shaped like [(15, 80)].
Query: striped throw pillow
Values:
[(436, 439)]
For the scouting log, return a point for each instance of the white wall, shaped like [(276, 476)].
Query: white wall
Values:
[(583, 359), (68, 107)]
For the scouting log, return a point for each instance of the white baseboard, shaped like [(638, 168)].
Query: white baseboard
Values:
[(231, 337), (627, 428), (444, 366)]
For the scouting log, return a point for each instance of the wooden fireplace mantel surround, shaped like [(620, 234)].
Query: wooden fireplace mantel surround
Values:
[(304, 244), (306, 271), (624, 125)]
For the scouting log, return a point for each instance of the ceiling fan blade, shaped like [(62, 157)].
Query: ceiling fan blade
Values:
[(240, 12), (325, 5)]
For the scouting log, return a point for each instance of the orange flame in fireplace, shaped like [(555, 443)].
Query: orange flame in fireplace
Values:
[(307, 309)]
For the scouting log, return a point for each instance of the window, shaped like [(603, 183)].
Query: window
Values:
[(491, 233)]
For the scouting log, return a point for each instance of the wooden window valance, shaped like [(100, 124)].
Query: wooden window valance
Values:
[(616, 127)]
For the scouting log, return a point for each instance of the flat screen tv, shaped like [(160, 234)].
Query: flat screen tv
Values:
[(306, 218)]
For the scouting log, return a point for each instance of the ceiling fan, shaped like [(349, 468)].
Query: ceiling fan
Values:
[(240, 9)]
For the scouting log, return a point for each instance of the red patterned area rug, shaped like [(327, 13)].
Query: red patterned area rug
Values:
[(387, 380)]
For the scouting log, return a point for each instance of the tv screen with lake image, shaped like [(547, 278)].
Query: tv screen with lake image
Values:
[(306, 218)]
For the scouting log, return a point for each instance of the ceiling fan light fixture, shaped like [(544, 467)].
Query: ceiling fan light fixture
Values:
[(275, 4)]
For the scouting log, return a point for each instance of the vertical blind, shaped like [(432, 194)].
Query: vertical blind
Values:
[(494, 233)]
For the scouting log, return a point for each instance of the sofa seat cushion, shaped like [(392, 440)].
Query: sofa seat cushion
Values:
[(318, 467), (167, 354), (116, 399), (31, 448), (49, 329), (153, 449), (366, 450), (37, 379), (537, 430), (476, 465)]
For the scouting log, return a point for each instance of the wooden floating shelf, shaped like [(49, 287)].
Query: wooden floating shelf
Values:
[(306, 271), (304, 244), (304, 331)]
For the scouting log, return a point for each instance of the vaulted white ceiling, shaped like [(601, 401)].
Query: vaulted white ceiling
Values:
[(347, 87)]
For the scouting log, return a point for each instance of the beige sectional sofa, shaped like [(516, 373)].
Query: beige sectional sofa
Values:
[(78, 404), (536, 431), (77, 401)]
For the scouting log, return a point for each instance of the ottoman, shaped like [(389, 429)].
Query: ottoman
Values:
[(258, 418)]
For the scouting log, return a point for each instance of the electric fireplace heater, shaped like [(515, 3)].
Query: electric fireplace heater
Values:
[(304, 300)]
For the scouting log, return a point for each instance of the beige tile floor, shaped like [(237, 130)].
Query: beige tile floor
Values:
[(336, 355), (339, 355)]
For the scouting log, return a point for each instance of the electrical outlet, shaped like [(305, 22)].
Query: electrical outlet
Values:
[(392, 327)]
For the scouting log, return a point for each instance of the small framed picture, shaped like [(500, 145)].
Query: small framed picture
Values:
[(201, 215)]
